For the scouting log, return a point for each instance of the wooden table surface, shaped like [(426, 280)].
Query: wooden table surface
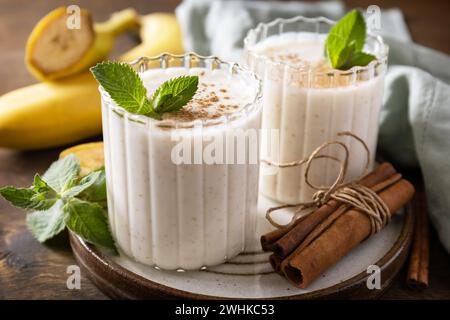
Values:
[(29, 270)]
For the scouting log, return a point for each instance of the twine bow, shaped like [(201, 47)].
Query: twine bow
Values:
[(350, 193)]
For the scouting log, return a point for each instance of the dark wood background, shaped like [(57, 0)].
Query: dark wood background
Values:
[(29, 270)]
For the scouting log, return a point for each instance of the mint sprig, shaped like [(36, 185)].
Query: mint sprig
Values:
[(61, 199), (173, 94), (126, 88), (345, 42)]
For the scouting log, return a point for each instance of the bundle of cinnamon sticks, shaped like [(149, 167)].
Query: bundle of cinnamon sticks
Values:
[(314, 243)]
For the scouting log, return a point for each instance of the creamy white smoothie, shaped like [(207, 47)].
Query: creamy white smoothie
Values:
[(308, 102), (172, 214)]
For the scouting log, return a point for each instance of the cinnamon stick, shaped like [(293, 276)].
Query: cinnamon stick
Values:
[(305, 264), (268, 239), (417, 276), (291, 238), (275, 262)]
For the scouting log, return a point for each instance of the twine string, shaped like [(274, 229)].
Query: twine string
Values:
[(352, 193)]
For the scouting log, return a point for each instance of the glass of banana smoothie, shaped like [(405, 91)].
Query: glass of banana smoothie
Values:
[(182, 191), (309, 102)]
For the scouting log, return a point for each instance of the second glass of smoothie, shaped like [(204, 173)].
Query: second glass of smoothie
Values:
[(307, 102)]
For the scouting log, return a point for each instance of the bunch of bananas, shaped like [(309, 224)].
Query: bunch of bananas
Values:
[(65, 106)]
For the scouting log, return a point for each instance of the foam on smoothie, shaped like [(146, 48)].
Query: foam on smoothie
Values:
[(304, 51), (218, 94), (294, 48)]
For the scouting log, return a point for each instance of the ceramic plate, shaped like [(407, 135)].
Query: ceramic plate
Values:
[(249, 275)]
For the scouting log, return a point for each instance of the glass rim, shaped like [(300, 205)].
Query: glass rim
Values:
[(251, 34), (233, 68)]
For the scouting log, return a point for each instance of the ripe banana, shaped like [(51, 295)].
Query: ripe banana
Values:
[(55, 113), (54, 51), (160, 32), (50, 114)]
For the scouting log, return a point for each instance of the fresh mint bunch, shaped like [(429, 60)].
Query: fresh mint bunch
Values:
[(61, 199), (345, 42), (126, 88)]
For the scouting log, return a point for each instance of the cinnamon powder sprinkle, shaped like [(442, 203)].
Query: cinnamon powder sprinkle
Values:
[(206, 104), (327, 76)]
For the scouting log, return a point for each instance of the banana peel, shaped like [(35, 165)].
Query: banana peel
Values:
[(89, 155), (51, 114), (55, 51)]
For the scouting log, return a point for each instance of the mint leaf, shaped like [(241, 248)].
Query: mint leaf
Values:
[(46, 224), (84, 184), (123, 85), (359, 59), (175, 93), (40, 196), (126, 88), (97, 191), (89, 221), (20, 197), (44, 194), (346, 40), (63, 174)]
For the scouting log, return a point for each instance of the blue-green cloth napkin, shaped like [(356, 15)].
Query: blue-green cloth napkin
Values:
[(415, 119)]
